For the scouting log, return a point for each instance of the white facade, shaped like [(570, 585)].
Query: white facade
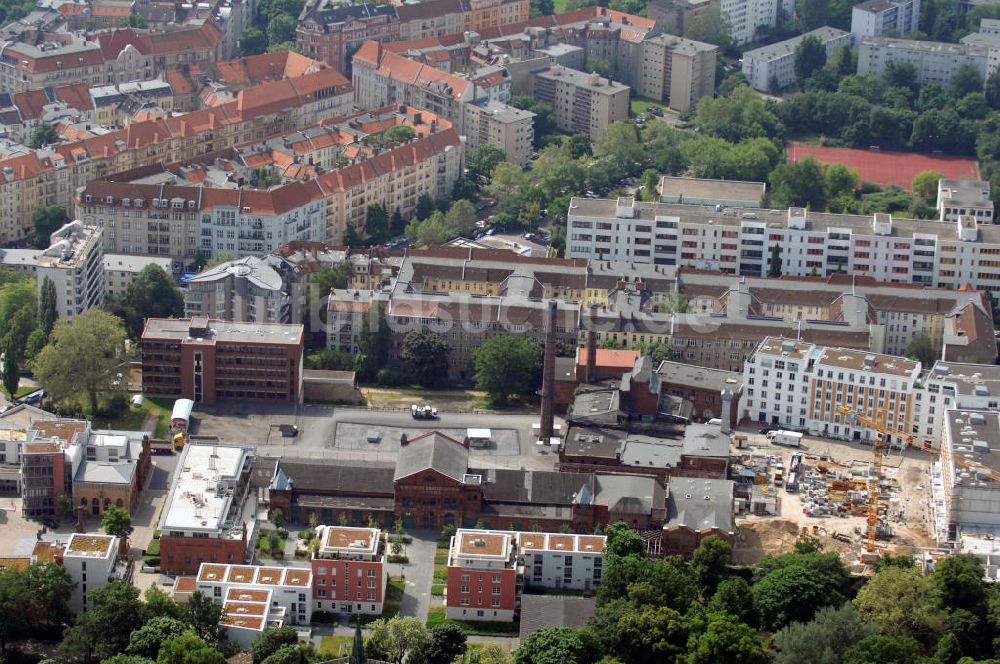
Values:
[(771, 68), (562, 561), (935, 62), (946, 255), (875, 18), (74, 262), (799, 386), (243, 232), (290, 587), (953, 385), (964, 198), (89, 559), (970, 496), (746, 16), (121, 270)]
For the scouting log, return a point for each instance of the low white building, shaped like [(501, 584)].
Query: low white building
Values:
[(771, 68), (964, 198), (876, 18), (289, 588), (562, 561), (247, 613), (91, 562), (950, 385), (120, 270), (935, 62)]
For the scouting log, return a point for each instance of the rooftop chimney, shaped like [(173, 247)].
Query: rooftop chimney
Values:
[(727, 411), (549, 371), (591, 372)]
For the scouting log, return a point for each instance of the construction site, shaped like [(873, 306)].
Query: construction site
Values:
[(824, 489)]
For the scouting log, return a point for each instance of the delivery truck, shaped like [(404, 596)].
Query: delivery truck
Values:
[(787, 438)]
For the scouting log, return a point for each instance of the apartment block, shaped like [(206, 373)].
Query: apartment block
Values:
[(676, 71), (329, 32), (701, 191), (74, 262), (46, 473), (259, 195), (91, 561), (880, 18), (290, 588), (889, 249), (582, 103), (206, 513), (497, 13), (747, 17), (246, 614), (349, 570), (799, 385), (244, 290), (510, 129), (964, 198), (952, 386), (37, 58), (771, 68), (207, 360), (432, 18), (935, 62), (52, 175), (675, 17)]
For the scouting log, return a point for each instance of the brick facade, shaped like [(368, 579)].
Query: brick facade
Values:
[(184, 555)]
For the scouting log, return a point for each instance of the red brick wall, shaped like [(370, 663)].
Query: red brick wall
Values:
[(431, 500), (480, 584), (183, 555), (342, 580)]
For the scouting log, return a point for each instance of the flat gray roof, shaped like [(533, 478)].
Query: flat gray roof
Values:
[(720, 190), (179, 329), (703, 378), (787, 47)]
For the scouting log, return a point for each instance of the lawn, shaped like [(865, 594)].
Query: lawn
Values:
[(436, 616), (134, 418), (440, 573), (393, 600), (335, 646), (640, 105), (437, 589), (560, 6)]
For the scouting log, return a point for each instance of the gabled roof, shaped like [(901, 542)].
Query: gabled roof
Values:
[(433, 451)]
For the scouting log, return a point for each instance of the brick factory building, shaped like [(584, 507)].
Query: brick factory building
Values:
[(207, 360)]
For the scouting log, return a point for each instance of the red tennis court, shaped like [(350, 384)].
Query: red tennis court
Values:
[(888, 167)]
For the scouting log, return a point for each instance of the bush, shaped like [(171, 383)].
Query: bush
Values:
[(323, 618), (282, 533), (398, 559), (154, 548), (387, 378), (117, 404)]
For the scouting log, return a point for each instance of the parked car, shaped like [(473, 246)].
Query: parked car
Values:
[(50, 523)]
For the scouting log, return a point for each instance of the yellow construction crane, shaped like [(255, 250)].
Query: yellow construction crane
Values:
[(878, 453)]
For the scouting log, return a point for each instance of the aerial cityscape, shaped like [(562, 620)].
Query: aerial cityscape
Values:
[(499, 332)]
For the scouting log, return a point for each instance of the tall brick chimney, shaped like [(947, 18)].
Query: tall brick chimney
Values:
[(727, 411), (591, 372), (549, 372)]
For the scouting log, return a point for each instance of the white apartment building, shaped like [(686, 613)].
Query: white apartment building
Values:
[(961, 198), (247, 613), (953, 385), (876, 18), (747, 16), (562, 561), (290, 587), (121, 270), (799, 386), (582, 102), (90, 560), (74, 262), (771, 68), (510, 129), (946, 255), (676, 71), (935, 62)]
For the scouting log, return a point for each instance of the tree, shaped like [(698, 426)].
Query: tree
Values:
[(710, 26), (134, 21), (333, 277), (392, 638), (774, 263), (966, 80), (444, 643), (578, 146), (799, 184), (398, 134), (117, 521), (147, 640), (709, 561), (733, 597), (542, 8), (425, 206), (623, 541), (925, 184), (959, 582), (619, 142), (377, 223), (993, 90), (659, 352), (81, 355), (157, 603), (32, 601), (299, 653), (506, 365), (45, 221), (463, 188), (44, 134), (105, 629), (47, 307), (151, 295), (219, 259), (822, 640), (461, 218), (203, 615), (649, 635), (270, 640), (902, 602), (791, 593), (556, 645), (425, 356), (725, 639), (351, 238), (11, 369), (121, 659), (506, 181), (596, 63), (902, 74), (811, 14), (809, 57), (252, 42), (882, 649), (189, 648), (921, 348)]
